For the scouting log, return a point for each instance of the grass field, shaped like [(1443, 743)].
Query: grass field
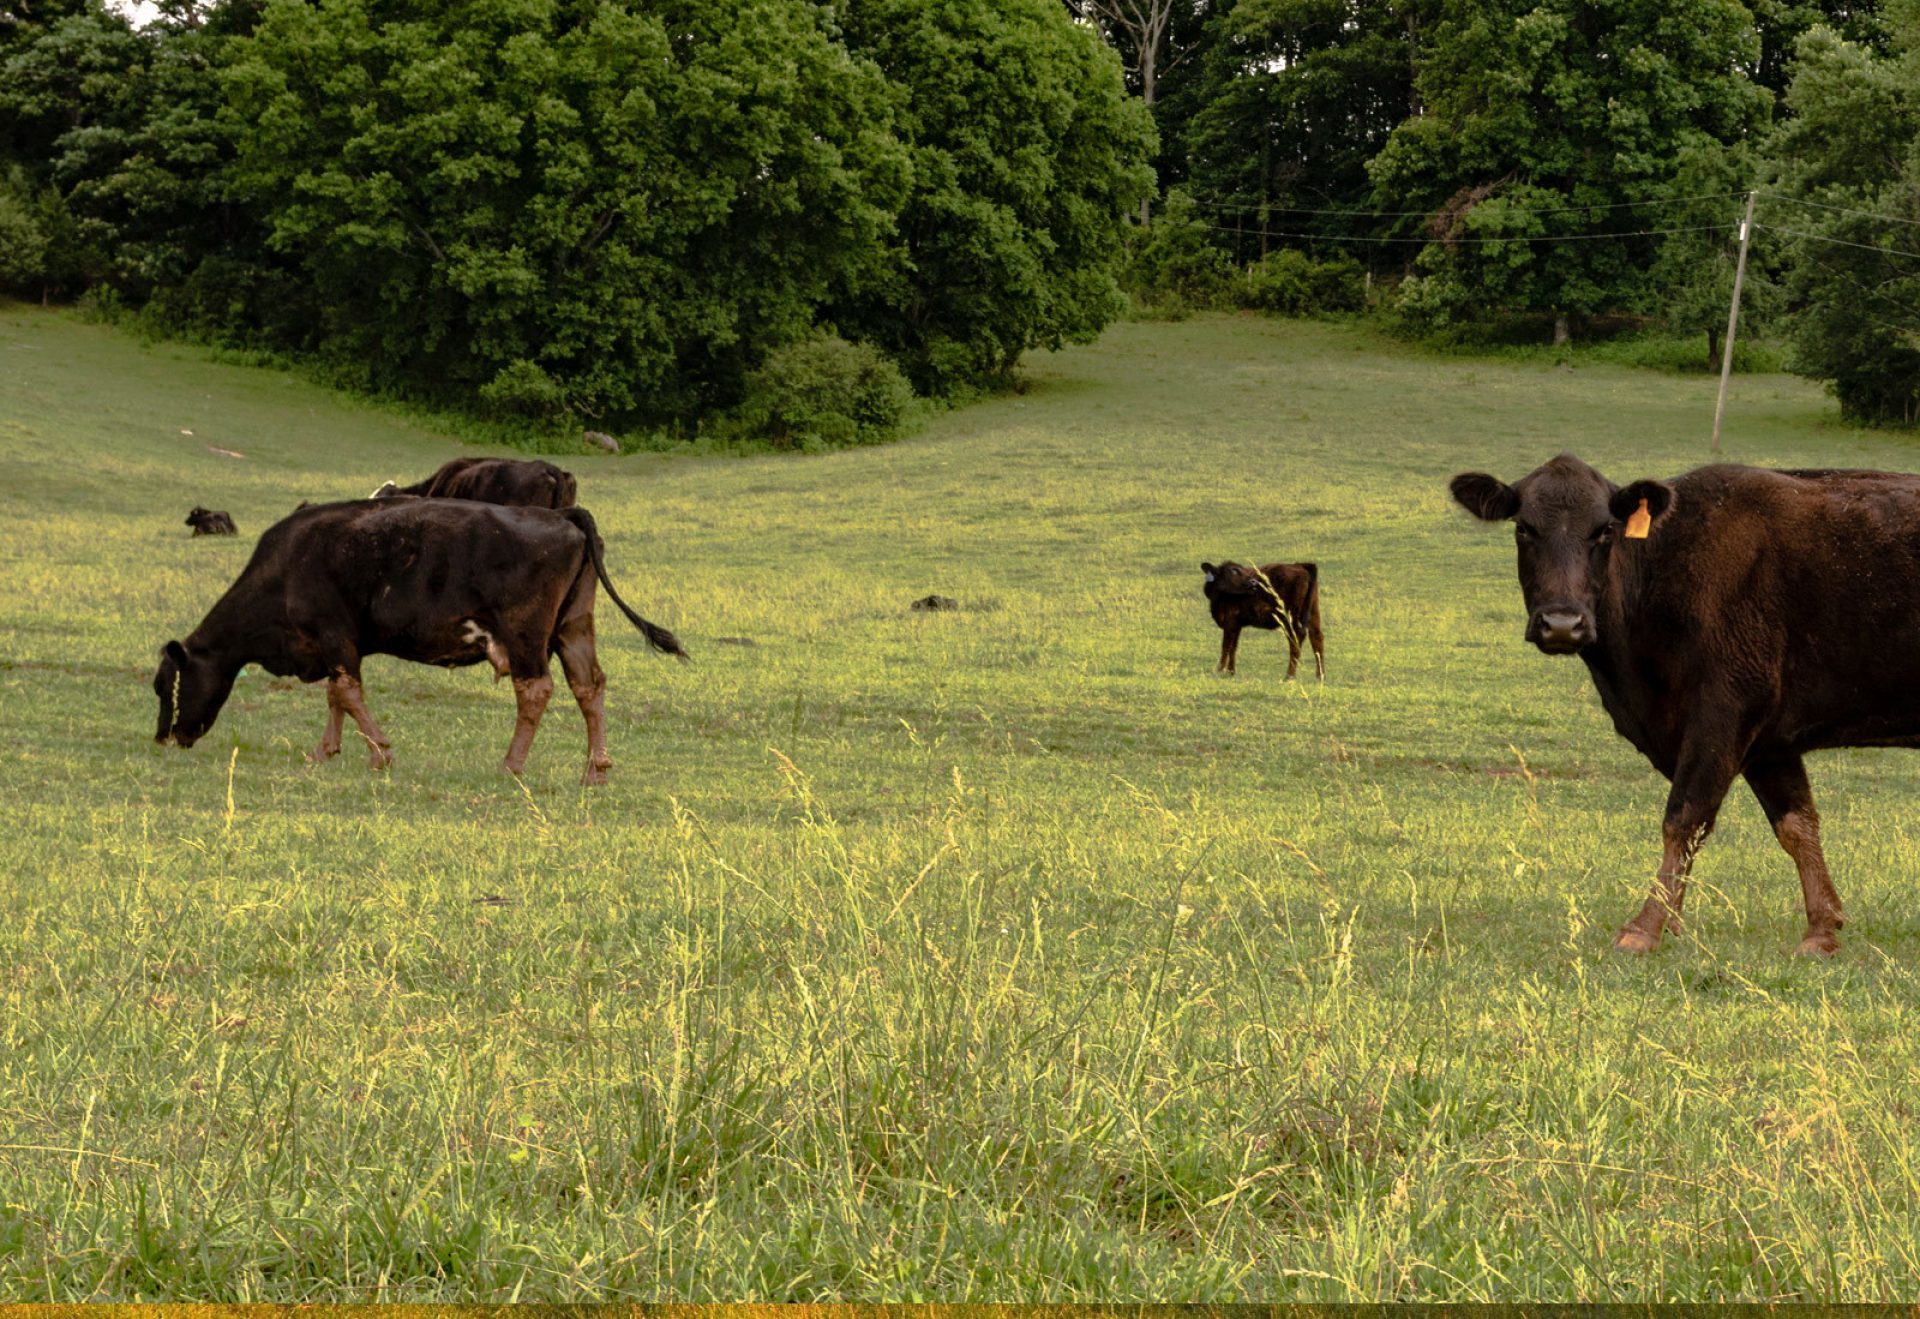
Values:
[(1006, 954)]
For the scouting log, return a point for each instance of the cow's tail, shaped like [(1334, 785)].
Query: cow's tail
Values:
[(657, 637)]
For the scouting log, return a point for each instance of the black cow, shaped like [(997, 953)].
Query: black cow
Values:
[(211, 522), (1280, 595), (446, 582), (1733, 620), (526, 482)]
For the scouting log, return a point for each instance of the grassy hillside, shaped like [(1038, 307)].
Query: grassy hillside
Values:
[(1001, 954)]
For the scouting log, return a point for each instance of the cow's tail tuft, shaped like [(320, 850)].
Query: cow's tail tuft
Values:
[(657, 637)]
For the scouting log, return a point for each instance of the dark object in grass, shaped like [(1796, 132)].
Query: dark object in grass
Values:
[(1283, 596), (526, 482), (1733, 619), (211, 522), (440, 581), (736, 641), (936, 602)]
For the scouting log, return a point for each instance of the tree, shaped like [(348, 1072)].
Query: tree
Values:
[(1560, 120), (1026, 156), (1852, 150), (1153, 38), (1297, 96), (562, 206)]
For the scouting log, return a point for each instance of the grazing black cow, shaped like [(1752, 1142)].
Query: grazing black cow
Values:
[(447, 582), (1280, 595), (211, 522), (517, 481), (1733, 620)]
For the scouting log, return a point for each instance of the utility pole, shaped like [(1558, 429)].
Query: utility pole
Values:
[(1733, 318)]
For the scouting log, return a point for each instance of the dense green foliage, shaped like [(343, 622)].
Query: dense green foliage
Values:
[(1024, 153), (1537, 112), (563, 208), (1853, 142), (823, 392), (998, 954)]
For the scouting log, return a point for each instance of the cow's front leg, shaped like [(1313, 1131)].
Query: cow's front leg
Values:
[(1787, 798), (1699, 786), (1227, 635), (344, 688), (531, 695)]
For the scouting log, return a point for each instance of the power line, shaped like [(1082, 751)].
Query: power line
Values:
[(1514, 210), (1844, 210), (1822, 238), (1512, 238)]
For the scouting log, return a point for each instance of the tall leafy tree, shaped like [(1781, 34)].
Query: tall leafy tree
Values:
[(1552, 119), (1027, 153), (1298, 96), (612, 210), (1851, 153)]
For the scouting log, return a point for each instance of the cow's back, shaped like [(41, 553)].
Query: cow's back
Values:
[(1798, 589)]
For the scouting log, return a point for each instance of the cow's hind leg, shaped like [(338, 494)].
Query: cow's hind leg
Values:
[(1699, 786), (344, 688), (589, 684), (1787, 798), (1318, 641), (1293, 649)]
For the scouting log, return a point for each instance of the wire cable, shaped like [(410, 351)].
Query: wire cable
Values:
[(1844, 210), (1822, 238), (1511, 238), (1513, 210)]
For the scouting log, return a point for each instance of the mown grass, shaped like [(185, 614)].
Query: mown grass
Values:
[(1006, 954)]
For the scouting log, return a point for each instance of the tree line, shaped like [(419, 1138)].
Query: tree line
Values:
[(659, 212), (1568, 163)]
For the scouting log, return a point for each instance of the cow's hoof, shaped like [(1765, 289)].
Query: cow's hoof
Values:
[(380, 759), (321, 754), (1818, 943), (508, 767), (1636, 941), (595, 775)]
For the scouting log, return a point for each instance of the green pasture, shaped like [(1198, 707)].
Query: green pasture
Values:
[(1005, 954)]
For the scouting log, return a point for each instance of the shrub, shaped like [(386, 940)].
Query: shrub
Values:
[(1176, 266), (1294, 284), (825, 393)]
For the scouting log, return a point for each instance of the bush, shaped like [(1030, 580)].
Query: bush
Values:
[(1294, 284), (1176, 267), (825, 393)]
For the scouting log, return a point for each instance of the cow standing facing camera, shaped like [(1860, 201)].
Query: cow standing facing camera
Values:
[(447, 582), (1280, 595), (1732, 619)]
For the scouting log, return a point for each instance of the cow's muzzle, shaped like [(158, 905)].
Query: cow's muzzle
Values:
[(1561, 630)]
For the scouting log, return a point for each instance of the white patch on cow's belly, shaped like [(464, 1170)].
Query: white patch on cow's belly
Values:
[(475, 635)]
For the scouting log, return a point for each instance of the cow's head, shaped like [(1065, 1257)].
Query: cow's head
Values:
[(191, 688), (1229, 578), (197, 516), (1568, 520)]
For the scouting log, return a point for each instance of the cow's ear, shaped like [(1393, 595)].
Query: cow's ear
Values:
[(176, 652), (1486, 497), (1625, 502), (1207, 571)]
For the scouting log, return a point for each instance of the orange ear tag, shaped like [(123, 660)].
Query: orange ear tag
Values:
[(1638, 522)]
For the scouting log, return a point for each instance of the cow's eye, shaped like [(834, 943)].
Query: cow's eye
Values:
[(1600, 533), (1521, 531)]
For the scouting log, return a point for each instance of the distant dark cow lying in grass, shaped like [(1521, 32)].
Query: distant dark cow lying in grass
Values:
[(527, 482), (1733, 619), (1280, 595), (446, 582), (211, 522)]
